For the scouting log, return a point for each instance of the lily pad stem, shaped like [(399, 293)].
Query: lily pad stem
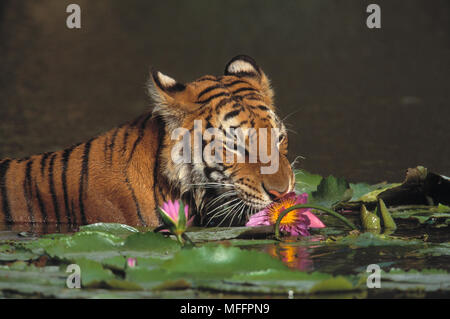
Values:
[(299, 206)]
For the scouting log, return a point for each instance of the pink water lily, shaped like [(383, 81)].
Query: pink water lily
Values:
[(173, 217), (296, 222), (131, 262)]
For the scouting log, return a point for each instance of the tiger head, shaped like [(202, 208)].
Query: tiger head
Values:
[(224, 189)]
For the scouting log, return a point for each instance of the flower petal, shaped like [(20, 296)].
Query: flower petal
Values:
[(315, 222), (190, 221), (186, 211), (165, 207), (301, 199), (173, 211), (258, 219)]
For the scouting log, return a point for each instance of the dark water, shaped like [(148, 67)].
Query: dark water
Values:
[(365, 104)]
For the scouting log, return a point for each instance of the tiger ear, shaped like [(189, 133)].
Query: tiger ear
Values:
[(245, 66), (172, 98), (163, 88)]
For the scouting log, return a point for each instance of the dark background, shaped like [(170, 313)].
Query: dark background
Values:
[(368, 103)]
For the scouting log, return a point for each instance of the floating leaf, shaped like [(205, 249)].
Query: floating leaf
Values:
[(306, 182), (150, 242), (120, 230), (373, 195), (92, 273), (332, 285), (331, 191), (214, 261)]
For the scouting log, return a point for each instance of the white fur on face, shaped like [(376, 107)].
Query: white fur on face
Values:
[(240, 66)]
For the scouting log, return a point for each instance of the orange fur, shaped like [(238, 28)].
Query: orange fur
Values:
[(125, 174)]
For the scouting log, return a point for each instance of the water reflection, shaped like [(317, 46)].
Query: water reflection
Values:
[(294, 256)]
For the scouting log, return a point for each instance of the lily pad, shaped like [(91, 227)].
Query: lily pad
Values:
[(92, 273), (219, 261), (226, 233), (11, 253), (306, 182), (332, 285), (120, 230), (331, 191), (427, 280), (150, 242)]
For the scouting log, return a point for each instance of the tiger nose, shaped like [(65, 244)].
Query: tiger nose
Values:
[(275, 194)]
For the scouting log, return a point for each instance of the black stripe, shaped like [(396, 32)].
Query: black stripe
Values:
[(162, 193), (51, 183), (125, 139), (105, 148), (161, 135), (43, 160), (263, 107), (138, 207), (209, 99), (140, 137), (23, 159), (111, 145), (209, 89), (137, 120), (65, 164), (41, 205), (236, 82), (27, 190), (252, 96), (72, 210), (206, 78), (231, 114), (243, 89), (84, 175), (222, 103), (4, 166)]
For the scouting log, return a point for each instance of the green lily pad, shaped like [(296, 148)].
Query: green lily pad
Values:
[(442, 249), (120, 230), (220, 261), (150, 278), (81, 244), (372, 196), (427, 280), (92, 273), (361, 189), (227, 233), (429, 216), (369, 239), (332, 285), (150, 242), (306, 182), (331, 191), (10, 253)]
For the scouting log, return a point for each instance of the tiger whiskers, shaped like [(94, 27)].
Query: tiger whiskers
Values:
[(223, 206), (230, 212), (294, 162), (225, 210), (221, 197)]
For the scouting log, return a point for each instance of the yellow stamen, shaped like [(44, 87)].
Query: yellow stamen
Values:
[(276, 208)]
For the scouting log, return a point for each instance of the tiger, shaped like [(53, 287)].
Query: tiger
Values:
[(125, 174)]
